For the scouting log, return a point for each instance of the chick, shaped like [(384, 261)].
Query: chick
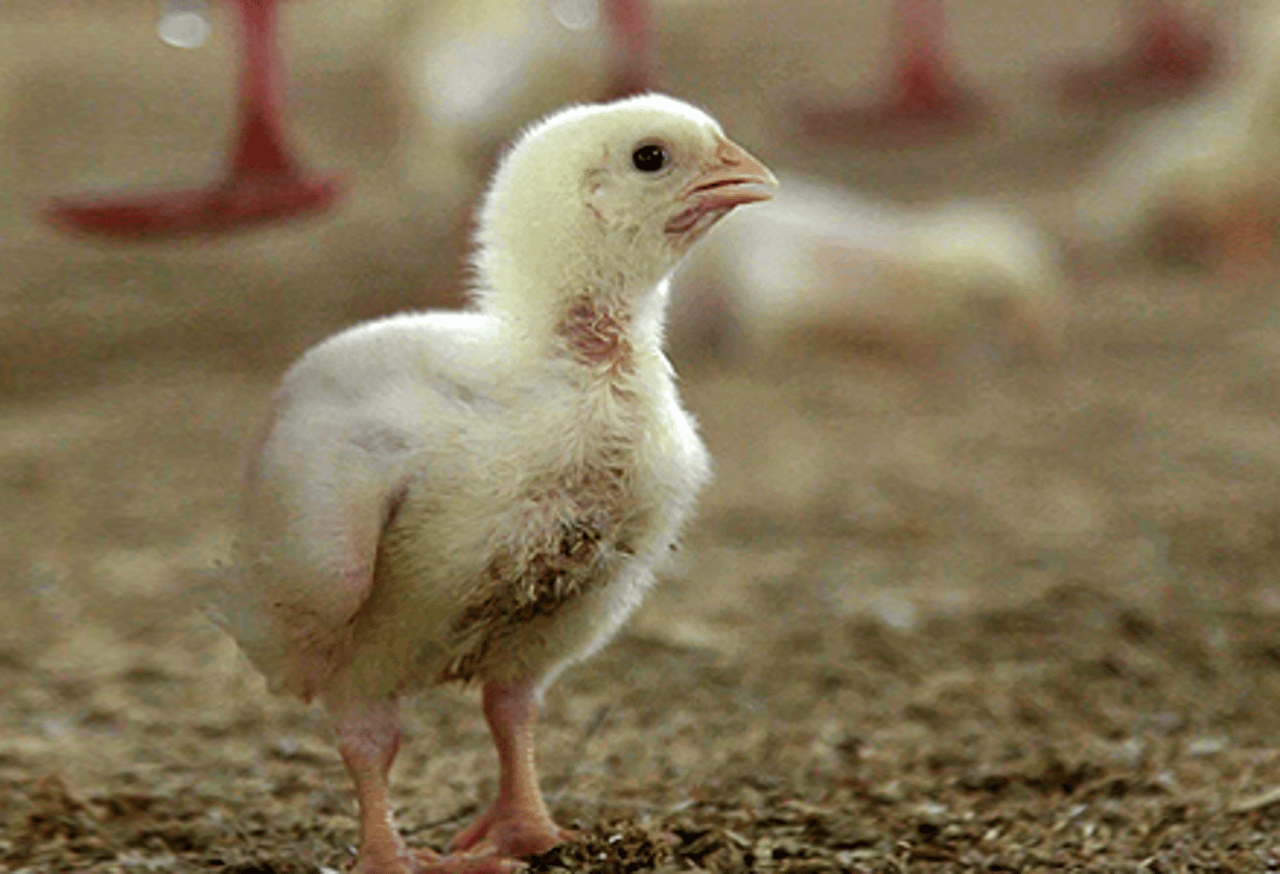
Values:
[(484, 496), (1199, 182), (821, 264)]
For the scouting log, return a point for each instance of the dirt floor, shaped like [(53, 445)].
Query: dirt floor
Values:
[(984, 616)]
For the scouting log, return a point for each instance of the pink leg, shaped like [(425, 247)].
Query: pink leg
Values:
[(368, 739), (517, 823)]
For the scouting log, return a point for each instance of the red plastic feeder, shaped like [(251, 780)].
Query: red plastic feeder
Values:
[(1167, 57), (926, 97), (630, 25), (265, 182)]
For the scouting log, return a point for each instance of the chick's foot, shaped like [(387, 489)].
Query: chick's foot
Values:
[(510, 830)]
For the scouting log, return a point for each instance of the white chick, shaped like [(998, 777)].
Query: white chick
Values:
[(819, 263), (485, 496), (1198, 181), (1167, 181)]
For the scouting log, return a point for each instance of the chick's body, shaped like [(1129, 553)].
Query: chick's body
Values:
[(486, 495), (529, 510)]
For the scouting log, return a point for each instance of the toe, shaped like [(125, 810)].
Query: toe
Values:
[(472, 835), (522, 838), (384, 857)]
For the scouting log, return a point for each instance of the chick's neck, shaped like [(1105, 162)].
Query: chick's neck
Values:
[(607, 327)]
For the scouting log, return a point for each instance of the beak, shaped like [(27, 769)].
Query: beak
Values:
[(736, 177)]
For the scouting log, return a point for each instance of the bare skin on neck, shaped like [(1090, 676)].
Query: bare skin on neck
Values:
[(596, 335)]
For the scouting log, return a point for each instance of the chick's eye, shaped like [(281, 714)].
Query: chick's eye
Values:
[(649, 159)]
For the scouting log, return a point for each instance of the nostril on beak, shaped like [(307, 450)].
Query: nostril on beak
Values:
[(728, 155)]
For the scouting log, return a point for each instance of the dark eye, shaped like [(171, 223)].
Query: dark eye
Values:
[(649, 159)]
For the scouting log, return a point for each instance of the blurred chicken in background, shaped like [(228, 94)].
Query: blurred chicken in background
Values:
[(822, 265), (1196, 183)]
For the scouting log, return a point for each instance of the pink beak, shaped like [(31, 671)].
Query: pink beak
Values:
[(735, 178)]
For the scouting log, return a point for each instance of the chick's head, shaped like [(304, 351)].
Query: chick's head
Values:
[(611, 196)]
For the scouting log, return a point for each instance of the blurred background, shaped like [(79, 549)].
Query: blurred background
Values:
[(988, 575)]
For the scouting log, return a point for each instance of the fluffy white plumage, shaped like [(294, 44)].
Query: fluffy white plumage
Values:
[(821, 262), (1194, 168), (486, 495)]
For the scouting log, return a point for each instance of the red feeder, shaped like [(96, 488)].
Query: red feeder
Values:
[(631, 29), (925, 98), (1167, 57), (265, 181)]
